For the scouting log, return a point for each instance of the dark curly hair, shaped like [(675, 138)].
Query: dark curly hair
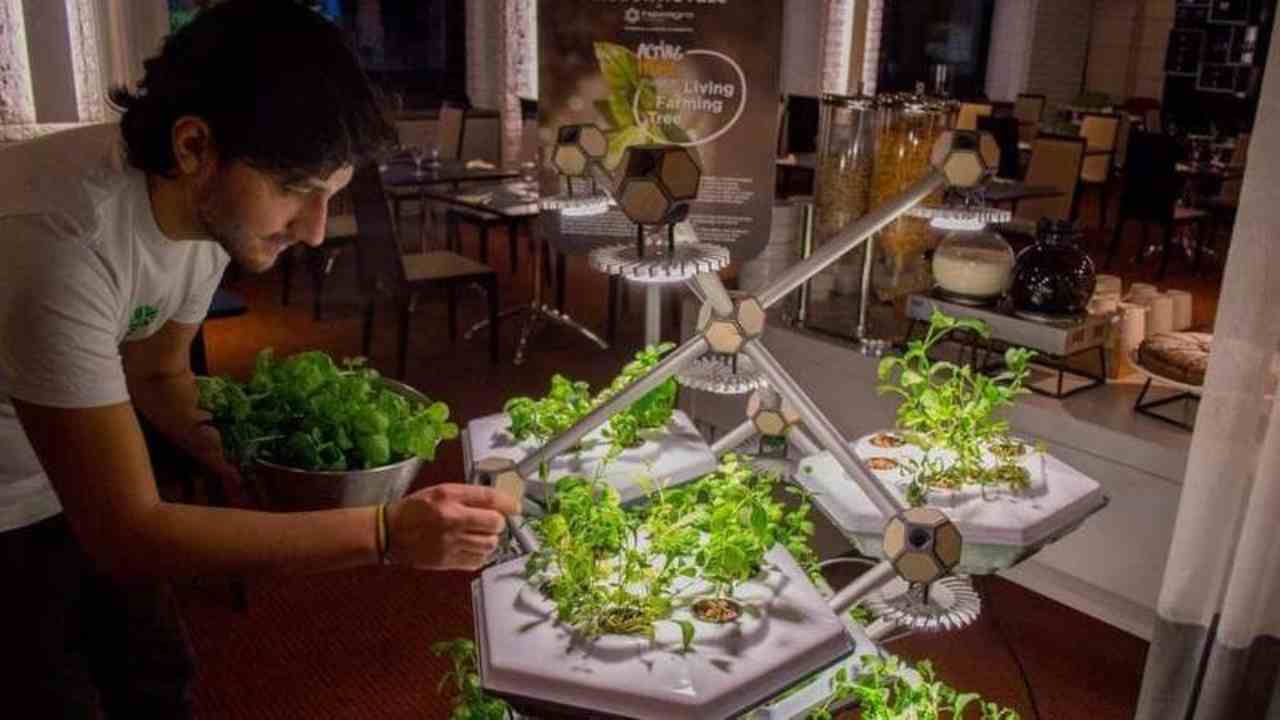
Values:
[(276, 82)]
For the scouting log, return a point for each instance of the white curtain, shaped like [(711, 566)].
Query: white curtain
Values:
[(517, 65), (131, 32), (1216, 650), (833, 54)]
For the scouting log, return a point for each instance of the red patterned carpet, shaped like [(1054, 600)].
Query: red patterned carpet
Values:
[(353, 644)]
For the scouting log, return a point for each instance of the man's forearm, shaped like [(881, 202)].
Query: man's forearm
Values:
[(194, 540)]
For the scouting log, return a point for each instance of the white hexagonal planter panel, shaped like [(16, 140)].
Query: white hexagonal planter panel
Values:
[(998, 531), (675, 455), (526, 656)]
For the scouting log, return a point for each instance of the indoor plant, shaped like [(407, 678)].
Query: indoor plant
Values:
[(949, 410), (470, 701), (314, 434), (884, 690), (567, 401), (610, 570)]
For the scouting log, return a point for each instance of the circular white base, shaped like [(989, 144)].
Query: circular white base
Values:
[(688, 260), (716, 374)]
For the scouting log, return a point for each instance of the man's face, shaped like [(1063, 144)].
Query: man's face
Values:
[(256, 215)]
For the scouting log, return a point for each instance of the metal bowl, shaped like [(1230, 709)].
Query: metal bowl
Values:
[(287, 489)]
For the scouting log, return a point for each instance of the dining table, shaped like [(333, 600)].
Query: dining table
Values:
[(401, 173), (405, 182), (517, 202), (1013, 191)]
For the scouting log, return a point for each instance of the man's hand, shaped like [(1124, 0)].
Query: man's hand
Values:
[(448, 527)]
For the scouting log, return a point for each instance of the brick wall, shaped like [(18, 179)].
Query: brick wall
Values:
[(1059, 48), (483, 48), (1111, 49), (1126, 55), (1153, 40)]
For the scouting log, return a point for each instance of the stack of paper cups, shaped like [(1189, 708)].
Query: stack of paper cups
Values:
[(1104, 303), (1108, 285), (1140, 291), (1159, 314), (1181, 309), (1133, 328)]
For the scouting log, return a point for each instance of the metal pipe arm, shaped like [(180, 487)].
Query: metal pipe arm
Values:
[(862, 586), (709, 288), (803, 441), (823, 430), (521, 533), (602, 178), (690, 350), (848, 238), (733, 438)]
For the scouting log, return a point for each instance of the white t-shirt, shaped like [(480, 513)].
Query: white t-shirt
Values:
[(83, 268)]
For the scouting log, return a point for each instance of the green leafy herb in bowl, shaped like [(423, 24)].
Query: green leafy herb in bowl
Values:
[(307, 412)]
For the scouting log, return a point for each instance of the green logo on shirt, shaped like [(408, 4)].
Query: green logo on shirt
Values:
[(141, 318)]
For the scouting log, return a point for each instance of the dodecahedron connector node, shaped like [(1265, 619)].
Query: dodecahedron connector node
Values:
[(923, 544), (770, 413), (658, 182), (576, 147), (726, 334), (965, 157), (500, 474)]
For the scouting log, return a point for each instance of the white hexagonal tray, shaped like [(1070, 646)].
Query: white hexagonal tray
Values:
[(673, 455), (526, 656), (999, 530)]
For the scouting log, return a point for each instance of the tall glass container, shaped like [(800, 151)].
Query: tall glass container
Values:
[(842, 185), (908, 126)]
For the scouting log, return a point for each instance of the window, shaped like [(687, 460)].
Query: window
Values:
[(412, 49), (921, 36)]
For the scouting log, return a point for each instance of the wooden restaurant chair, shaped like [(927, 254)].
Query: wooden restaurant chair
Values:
[(1151, 193), (483, 222), (967, 118), (339, 236), (450, 132), (383, 270), (1055, 162), (1029, 110), (1101, 132), (1005, 132), (1147, 109)]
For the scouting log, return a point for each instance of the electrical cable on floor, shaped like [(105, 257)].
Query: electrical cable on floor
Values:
[(1022, 670)]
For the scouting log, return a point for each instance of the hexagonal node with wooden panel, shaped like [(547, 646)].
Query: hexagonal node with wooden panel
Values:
[(770, 414), (726, 334), (965, 157), (657, 184), (501, 475), (577, 146), (922, 544)]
